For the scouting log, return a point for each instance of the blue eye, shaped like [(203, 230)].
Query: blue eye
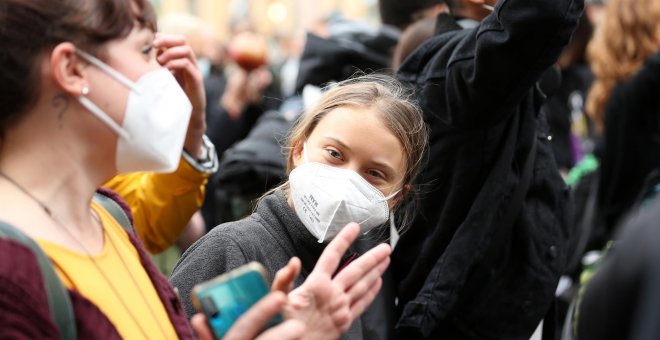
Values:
[(334, 153)]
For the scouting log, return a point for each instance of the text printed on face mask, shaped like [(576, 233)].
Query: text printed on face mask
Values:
[(310, 207)]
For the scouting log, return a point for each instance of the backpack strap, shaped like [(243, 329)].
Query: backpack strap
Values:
[(59, 301), (115, 210)]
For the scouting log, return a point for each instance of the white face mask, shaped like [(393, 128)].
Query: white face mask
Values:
[(155, 120), (327, 198)]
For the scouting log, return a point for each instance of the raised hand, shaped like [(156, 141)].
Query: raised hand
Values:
[(327, 305), (323, 307), (175, 54)]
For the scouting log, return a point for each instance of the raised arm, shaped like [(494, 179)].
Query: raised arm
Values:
[(488, 70)]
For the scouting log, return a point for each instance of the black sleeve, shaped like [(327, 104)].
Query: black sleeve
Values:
[(488, 70)]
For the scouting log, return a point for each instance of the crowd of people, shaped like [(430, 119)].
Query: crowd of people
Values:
[(471, 169)]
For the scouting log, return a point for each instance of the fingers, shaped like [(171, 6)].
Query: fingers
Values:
[(201, 328), (284, 278), (178, 57), (290, 329), (362, 286), (342, 318), (361, 305), (181, 59), (185, 67), (178, 52), (253, 321), (357, 269), (332, 254), (165, 41)]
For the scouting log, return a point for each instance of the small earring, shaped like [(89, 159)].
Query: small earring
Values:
[(85, 90)]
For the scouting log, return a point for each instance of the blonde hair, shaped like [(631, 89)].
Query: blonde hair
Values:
[(386, 96), (626, 37)]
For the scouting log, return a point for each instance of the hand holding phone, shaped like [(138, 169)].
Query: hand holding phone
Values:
[(250, 324), (224, 299)]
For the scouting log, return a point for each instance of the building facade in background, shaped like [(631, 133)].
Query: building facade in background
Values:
[(270, 17)]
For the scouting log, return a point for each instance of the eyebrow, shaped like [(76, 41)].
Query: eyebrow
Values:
[(387, 168), (342, 144)]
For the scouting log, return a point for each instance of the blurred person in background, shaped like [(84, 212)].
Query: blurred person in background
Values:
[(624, 108)]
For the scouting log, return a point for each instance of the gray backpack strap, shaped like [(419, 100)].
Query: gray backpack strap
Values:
[(117, 212), (59, 302)]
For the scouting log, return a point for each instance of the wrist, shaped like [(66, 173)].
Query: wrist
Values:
[(194, 143), (205, 160)]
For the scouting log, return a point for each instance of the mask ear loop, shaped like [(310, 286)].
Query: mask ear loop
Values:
[(387, 198), (304, 152), (394, 233), (98, 113), (109, 70), (93, 108)]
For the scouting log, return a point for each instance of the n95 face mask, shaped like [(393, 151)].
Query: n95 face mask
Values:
[(327, 198), (155, 120)]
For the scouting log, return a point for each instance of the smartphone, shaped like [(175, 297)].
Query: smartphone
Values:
[(225, 298)]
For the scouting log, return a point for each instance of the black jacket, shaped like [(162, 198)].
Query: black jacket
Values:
[(477, 90)]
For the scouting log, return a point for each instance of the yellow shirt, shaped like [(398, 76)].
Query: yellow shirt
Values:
[(141, 312), (161, 204)]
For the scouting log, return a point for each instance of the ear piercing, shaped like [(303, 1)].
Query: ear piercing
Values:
[(85, 90)]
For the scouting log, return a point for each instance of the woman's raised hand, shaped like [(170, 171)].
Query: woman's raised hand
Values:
[(175, 54)]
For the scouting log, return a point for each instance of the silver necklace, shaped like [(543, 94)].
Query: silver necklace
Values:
[(50, 214)]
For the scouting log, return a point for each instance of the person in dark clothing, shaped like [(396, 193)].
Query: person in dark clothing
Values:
[(233, 108), (570, 128), (622, 299), (464, 271), (468, 13), (402, 14), (411, 38), (623, 103)]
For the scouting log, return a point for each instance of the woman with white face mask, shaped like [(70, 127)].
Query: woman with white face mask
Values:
[(352, 158), (87, 92)]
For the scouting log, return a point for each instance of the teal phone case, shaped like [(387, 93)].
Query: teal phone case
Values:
[(224, 299)]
